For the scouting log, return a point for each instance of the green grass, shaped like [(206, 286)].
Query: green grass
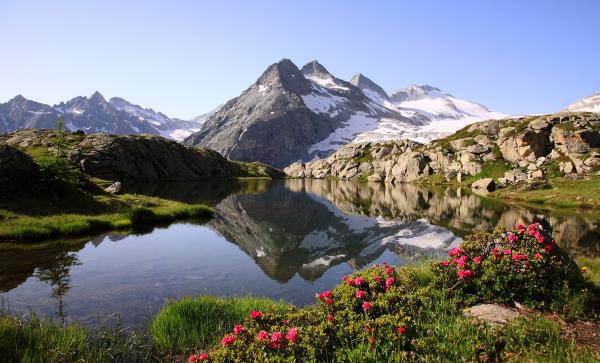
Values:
[(490, 169), (197, 323), (100, 213), (562, 193), (34, 340)]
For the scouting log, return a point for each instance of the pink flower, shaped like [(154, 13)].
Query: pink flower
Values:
[(372, 340), (227, 340), (539, 238), (520, 227), (454, 252), (262, 335), (454, 261), (496, 253), (292, 335), (203, 356), (255, 314), (327, 293), (507, 251), (445, 263), (239, 328), (389, 271), (519, 257), (377, 278), (360, 294), (533, 228), (366, 305), (512, 238), (276, 339), (330, 317), (328, 301), (389, 281), (358, 281), (537, 256), (401, 330), (477, 260), (464, 273), (549, 247), (350, 281), (462, 261), (192, 358)]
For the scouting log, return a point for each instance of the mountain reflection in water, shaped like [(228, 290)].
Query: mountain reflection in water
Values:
[(283, 239)]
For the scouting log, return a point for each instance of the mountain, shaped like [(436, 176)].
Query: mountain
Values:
[(20, 113), (589, 104), (292, 114), (94, 114)]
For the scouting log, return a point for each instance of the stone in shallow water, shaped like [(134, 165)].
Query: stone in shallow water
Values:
[(491, 313)]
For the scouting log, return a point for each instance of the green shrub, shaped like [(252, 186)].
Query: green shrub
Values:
[(522, 265)]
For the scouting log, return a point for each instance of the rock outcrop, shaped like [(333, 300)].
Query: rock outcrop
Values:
[(527, 148), (138, 158)]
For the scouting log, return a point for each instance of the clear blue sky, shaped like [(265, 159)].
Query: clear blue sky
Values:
[(185, 57)]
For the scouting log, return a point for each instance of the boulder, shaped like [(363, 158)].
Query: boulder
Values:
[(409, 166), (575, 142), (484, 186), (472, 168), (514, 176), (114, 188), (491, 313), (478, 149)]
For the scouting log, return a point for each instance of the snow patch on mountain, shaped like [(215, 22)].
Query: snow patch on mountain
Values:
[(587, 104)]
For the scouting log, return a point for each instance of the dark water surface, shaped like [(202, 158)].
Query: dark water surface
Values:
[(281, 239)]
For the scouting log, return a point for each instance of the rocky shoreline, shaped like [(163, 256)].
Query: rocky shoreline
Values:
[(515, 150)]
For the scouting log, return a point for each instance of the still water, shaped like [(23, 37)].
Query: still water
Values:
[(281, 239)]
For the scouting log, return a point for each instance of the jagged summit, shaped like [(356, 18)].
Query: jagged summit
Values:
[(314, 68), (364, 83)]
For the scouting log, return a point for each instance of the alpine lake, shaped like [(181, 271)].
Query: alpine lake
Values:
[(285, 239)]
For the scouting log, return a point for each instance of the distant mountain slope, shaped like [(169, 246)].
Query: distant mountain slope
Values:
[(290, 114), (93, 114), (589, 104)]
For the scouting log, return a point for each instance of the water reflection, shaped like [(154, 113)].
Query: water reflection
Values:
[(285, 239)]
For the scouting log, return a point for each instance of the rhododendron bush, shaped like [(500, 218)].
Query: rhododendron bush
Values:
[(376, 311), (521, 265)]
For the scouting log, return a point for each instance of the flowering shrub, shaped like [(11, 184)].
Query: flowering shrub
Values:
[(367, 308), (522, 265)]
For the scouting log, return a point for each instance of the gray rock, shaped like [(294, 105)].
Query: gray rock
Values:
[(484, 186), (514, 176), (114, 188), (491, 313)]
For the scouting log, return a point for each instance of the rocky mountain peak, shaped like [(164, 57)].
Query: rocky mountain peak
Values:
[(364, 83), (97, 98), (286, 75), (18, 99), (314, 68)]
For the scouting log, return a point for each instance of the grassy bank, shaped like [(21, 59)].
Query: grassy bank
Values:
[(559, 193), (36, 219), (198, 323)]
